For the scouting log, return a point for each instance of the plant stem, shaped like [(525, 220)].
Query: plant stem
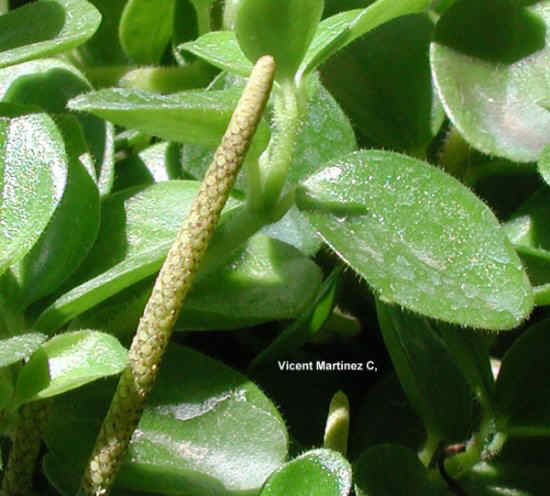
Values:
[(172, 284), (32, 420), (276, 159)]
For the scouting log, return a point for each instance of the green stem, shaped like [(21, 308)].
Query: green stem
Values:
[(203, 16), (173, 283), (276, 159), (18, 475), (455, 154), (429, 448)]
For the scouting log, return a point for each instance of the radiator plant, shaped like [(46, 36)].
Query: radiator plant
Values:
[(390, 211)]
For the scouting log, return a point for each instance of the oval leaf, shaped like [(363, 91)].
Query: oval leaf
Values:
[(222, 50), (71, 231), (419, 237), (217, 434), (33, 174), (523, 384), (145, 29), (58, 26), (266, 27), (321, 472), (68, 361), (198, 117), (490, 82)]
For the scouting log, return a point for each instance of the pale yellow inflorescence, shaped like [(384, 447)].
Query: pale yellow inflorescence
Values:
[(173, 283)]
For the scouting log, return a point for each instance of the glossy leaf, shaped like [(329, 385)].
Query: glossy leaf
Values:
[(428, 373), (544, 164), (68, 361), (196, 117), (145, 29), (375, 468), (31, 183), (266, 281), (523, 384), (19, 347), (219, 433), (58, 26), (399, 107), (137, 229), (341, 29), (72, 230), (490, 82), (222, 50), (266, 27), (322, 472), (49, 84), (419, 237)]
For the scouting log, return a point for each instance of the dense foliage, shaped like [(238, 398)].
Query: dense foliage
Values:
[(391, 216)]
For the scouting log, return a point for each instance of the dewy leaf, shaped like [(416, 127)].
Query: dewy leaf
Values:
[(197, 117), (523, 384), (341, 29), (419, 237), (45, 28), (145, 29), (221, 49), (428, 373), (137, 229), (321, 472), (72, 229), (68, 361), (49, 84), (218, 434), (372, 473), (266, 27), (18, 347), (33, 174), (489, 61)]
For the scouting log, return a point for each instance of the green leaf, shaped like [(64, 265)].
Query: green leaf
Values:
[(49, 84), (321, 472), (19, 347), (341, 29), (523, 384), (419, 237), (266, 27), (58, 26), (137, 229), (306, 326), (31, 183), (197, 117), (470, 350), (267, 280), (222, 50), (219, 434), (145, 29), (72, 229), (103, 48), (428, 373), (6, 395), (390, 94), (68, 361), (489, 61), (372, 473)]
